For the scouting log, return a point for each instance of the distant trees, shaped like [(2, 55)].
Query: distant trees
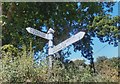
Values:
[(107, 67)]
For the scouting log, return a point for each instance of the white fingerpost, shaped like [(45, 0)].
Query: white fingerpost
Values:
[(50, 47), (49, 36)]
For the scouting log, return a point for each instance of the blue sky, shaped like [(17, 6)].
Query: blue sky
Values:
[(100, 49)]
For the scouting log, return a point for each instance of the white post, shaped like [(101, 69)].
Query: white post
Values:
[(50, 47)]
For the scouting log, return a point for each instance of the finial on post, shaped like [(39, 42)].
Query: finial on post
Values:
[(50, 31)]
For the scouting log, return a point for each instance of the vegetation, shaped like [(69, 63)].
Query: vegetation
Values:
[(65, 18), (22, 68), (17, 61)]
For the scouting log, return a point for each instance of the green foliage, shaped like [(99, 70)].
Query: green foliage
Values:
[(24, 69), (21, 69), (105, 27), (64, 18), (101, 59), (80, 63), (108, 68), (9, 50)]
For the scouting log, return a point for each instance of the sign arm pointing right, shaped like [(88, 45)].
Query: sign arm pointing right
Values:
[(68, 42)]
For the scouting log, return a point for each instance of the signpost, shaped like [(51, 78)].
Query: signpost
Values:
[(50, 47), (49, 36)]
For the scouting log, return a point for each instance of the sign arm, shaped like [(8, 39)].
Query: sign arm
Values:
[(68, 42), (37, 33)]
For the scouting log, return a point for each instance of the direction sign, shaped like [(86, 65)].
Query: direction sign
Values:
[(49, 36), (68, 42), (37, 33)]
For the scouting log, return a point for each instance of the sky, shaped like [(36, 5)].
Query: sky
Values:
[(99, 49)]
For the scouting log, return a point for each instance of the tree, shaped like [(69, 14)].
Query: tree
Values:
[(80, 63), (65, 18), (101, 59), (107, 68)]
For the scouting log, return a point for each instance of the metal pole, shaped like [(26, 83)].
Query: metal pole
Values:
[(50, 47)]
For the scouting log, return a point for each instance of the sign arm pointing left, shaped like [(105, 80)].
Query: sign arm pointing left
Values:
[(37, 33)]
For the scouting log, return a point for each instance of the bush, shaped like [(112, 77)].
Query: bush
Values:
[(20, 69), (18, 66)]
